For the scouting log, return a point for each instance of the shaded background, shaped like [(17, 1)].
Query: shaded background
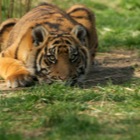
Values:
[(118, 22)]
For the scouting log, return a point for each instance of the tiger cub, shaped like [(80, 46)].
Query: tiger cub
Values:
[(48, 44)]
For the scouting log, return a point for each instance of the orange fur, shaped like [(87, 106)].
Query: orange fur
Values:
[(86, 17), (49, 44), (5, 29)]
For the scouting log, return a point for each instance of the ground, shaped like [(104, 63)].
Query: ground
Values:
[(117, 66)]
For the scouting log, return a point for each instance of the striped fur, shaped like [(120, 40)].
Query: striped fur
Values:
[(5, 29), (49, 45), (86, 17)]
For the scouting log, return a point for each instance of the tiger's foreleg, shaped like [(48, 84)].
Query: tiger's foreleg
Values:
[(15, 73)]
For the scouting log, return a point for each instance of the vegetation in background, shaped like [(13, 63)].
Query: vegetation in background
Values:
[(13, 8), (117, 21), (103, 112)]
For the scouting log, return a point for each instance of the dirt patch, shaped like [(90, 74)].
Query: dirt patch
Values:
[(4, 88), (116, 66)]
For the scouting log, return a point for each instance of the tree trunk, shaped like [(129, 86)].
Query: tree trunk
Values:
[(0, 11), (11, 9), (28, 5)]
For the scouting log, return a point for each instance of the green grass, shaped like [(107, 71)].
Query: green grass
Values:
[(59, 112), (118, 22), (102, 112)]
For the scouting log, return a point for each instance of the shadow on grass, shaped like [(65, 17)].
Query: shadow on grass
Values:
[(102, 75), (117, 68)]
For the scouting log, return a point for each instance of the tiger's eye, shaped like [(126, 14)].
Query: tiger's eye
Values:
[(36, 43), (73, 58), (51, 58)]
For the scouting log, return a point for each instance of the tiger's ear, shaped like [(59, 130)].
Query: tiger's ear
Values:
[(39, 33), (80, 32), (5, 29)]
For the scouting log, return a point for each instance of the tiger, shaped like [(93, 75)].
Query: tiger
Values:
[(48, 44)]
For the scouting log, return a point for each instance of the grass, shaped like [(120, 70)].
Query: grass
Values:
[(59, 112), (102, 112)]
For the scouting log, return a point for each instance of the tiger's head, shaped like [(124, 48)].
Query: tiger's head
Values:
[(60, 56)]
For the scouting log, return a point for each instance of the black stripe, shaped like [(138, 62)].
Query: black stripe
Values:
[(85, 58), (78, 9), (16, 52), (2, 55), (53, 25), (80, 17), (6, 26)]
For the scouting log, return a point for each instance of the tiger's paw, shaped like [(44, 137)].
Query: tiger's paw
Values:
[(20, 80)]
